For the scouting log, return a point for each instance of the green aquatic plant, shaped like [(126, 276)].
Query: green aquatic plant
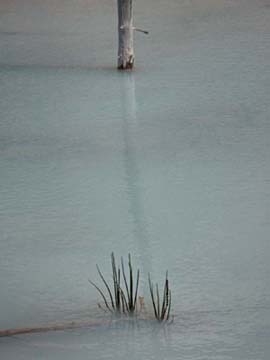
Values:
[(122, 299), (131, 304), (161, 308), (119, 300)]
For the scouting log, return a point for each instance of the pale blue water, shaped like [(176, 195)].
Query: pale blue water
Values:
[(169, 162)]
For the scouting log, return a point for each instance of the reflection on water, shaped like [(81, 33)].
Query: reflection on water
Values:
[(134, 181)]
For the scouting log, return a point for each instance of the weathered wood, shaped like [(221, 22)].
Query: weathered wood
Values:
[(54, 327), (125, 35), (74, 324)]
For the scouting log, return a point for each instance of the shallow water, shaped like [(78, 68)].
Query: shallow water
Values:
[(169, 162)]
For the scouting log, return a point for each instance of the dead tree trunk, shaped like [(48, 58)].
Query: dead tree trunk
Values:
[(125, 35)]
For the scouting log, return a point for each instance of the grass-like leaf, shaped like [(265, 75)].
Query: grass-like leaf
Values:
[(120, 301), (161, 312), (124, 301)]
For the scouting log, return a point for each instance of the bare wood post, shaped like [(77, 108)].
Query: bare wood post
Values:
[(125, 35)]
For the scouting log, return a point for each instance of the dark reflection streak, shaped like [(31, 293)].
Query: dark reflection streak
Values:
[(128, 97)]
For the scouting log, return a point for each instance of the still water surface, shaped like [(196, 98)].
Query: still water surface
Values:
[(170, 163)]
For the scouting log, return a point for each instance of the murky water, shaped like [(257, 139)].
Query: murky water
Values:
[(169, 162)]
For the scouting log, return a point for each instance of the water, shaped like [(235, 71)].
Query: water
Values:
[(170, 163)]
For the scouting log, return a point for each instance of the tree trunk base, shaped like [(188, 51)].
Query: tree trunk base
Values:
[(128, 66)]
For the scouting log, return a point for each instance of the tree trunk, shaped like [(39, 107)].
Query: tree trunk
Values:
[(125, 35)]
